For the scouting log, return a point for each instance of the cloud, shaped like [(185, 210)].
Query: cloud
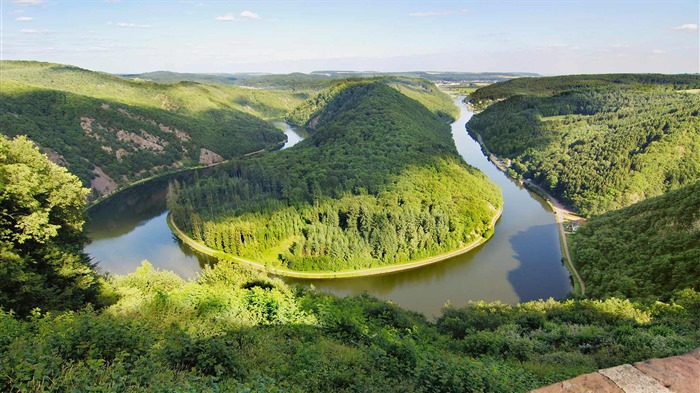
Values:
[(429, 14), (132, 26), (225, 18), (28, 2), (687, 27), (658, 51), (253, 15), (24, 19), (112, 1), (245, 15), (34, 31)]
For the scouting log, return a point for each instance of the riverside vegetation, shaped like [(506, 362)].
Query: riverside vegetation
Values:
[(239, 330), (596, 142), (378, 182)]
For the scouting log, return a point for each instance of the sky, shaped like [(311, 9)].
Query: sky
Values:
[(545, 37)]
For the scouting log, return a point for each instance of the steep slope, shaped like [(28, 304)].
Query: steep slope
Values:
[(379, 182), (651, 248), (596, 144), (111, 132)]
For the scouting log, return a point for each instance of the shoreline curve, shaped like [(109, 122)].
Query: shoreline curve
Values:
[(559, 212), (375, 271)]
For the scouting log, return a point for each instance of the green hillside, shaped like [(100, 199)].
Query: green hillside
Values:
[(379, 182), (111, 132), (547, 86), (651, 248), (596, 143), (307, 113)]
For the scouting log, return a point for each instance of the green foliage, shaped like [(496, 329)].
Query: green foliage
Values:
[(548, 86), (379, 182), (309, 112), (651, 248), (133, 130), (41, 218), (206, 335), (598, 143)]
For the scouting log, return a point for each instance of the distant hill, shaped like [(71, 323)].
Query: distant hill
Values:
[(176, 77), (435, 76), (651, 248), (317, 80), (379, 182), (547, 86), (598, 142), (110, 131)]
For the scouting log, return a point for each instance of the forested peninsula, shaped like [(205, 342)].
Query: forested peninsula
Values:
[(596, 142), (378, 182)]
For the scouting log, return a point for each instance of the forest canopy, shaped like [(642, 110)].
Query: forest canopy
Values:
[(598, 143), (42, 263), (379, 182), (649, 249)]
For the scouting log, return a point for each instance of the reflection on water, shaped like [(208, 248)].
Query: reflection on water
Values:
[(522, 261)]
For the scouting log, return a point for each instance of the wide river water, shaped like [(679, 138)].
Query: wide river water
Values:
[(521, 262)]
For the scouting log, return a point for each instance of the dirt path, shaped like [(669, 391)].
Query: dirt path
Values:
[(326, 275)]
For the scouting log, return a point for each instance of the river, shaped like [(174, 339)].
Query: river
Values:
[(522, 261)]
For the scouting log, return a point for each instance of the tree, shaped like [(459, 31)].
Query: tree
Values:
[(42, 263)]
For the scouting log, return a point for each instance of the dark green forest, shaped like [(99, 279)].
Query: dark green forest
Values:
[(597, 143), (649, 249), (378, 182)]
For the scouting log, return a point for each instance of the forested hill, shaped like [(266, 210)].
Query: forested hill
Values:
[(110, 131), (545, 86), (379, 182), (651, 248), (421, 90), (599, 143)]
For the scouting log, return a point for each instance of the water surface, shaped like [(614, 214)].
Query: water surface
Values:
[(522, 261)]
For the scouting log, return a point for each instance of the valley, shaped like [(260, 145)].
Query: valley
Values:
[(371, 176)]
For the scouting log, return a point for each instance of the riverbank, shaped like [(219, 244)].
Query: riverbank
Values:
[(177, 171), (561, 213), (328, 275)]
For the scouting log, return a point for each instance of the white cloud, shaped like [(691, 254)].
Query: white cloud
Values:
[(132, 25), (34, 31), (658, 51), (245, 15), (250, 15), (429, 13), (225, 18), (24, 19), (28, 2), (687, 27)]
